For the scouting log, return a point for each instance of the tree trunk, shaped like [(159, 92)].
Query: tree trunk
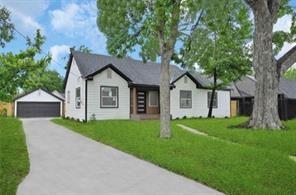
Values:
[(265, 109), (213, 95), (165, 129)]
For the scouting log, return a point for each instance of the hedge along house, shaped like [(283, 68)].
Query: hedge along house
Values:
[(102, 87), (243, 92)]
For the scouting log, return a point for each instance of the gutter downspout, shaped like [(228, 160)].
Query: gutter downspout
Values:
[(85, 100)]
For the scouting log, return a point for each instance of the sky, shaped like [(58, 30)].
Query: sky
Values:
[(67, 23)]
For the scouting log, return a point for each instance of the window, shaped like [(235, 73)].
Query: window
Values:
[(68, 97), (77, 98), (185, 99), (109, 97), (215, 102), (153, 98)]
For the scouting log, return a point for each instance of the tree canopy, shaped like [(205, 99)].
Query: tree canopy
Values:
[(6, 26), (26, 70), (220, 41), (81, 48), (218, 44)]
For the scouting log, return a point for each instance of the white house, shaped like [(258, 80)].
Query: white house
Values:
[(101, 87)]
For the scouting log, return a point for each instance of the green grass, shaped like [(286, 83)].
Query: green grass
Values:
[(14, 162), (230, 168), (283, 141)]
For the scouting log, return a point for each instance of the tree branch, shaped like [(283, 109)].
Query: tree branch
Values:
[(273, 6), (251, 3), (174, 26), (197, 22), (287, 60)]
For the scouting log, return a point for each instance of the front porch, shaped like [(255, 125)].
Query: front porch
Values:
[(144, 103)]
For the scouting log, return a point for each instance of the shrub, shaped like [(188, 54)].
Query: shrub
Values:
[(184, 117), (93, 117), (3, 112)]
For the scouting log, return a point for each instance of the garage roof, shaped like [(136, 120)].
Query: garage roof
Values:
[(29, 92)]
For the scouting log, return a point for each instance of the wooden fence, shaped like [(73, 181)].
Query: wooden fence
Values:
[(233, 108), (6, 106)]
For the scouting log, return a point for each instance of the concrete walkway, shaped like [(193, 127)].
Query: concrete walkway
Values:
[(66, 163)]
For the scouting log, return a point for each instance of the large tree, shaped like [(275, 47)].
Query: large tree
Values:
[(17, 70), (267, 69), (153, 26), (6, 26), (50, 80), (219, 44)]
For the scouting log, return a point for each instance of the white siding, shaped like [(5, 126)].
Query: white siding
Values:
[(199, 101), (75, 81), (93, 97), (37, 96)]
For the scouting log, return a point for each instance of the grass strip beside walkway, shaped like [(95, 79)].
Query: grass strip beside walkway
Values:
[(14, 162)]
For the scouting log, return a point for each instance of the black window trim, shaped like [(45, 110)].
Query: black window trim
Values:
[(77, 107), (117, 96), (186, 107), (157, 96)]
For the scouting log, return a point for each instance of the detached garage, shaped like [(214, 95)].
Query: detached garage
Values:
[(38, 103)]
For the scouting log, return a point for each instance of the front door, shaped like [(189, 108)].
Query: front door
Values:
[(141, 102)]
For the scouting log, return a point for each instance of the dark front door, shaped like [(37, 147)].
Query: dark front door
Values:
[(38, 109), (141, 102)]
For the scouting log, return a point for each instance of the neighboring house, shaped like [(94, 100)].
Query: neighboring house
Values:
[(60, 95), (38, 103), (243, 92), (103, 87)]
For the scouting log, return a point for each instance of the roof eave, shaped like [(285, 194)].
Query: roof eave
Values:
[(29, 92), (91, 75), (198, 85)]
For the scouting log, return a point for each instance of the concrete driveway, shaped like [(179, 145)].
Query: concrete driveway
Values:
[(66, 163)]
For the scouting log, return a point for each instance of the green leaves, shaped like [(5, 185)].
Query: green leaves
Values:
[(290, 74), (280, 37), (219, 43), (26, 70), (6, 26), (144, 25)]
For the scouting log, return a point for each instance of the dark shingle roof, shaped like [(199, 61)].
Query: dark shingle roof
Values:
[(288, 87), (234, 91), (137, 71), (245, 87)]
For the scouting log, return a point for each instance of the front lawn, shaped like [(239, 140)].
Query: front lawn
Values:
[(282, 141), (227, 167), (14, 162)]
